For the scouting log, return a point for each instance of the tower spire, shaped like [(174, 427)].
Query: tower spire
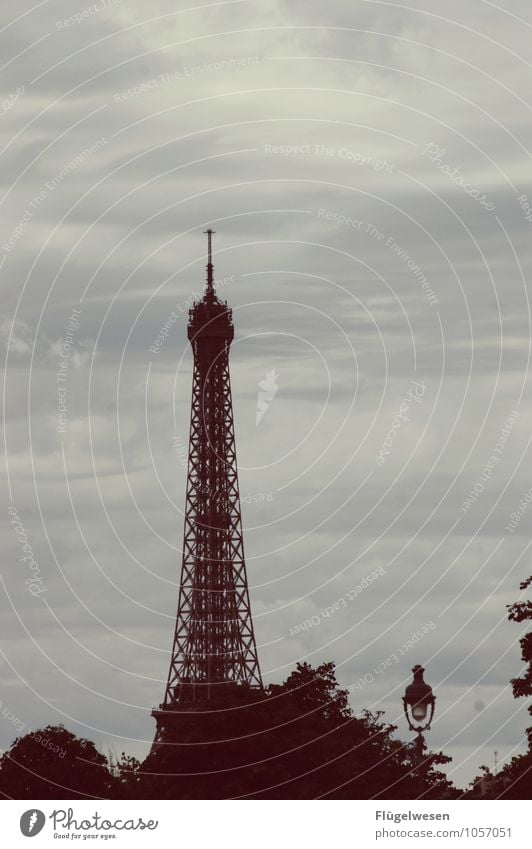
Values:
[(210, 276)]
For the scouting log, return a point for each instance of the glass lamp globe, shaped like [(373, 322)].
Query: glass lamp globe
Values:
[(419, 712)]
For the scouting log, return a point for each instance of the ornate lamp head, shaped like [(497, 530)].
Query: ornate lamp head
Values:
[(418, 701)]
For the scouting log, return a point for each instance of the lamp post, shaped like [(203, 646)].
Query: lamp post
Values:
[(418, 701)]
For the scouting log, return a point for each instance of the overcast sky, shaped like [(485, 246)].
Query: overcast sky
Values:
[(364, 165)]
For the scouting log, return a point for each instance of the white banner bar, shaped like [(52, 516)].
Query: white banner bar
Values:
[(266, 824)]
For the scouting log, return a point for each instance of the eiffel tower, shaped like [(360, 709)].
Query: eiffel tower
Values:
[(214, 648)]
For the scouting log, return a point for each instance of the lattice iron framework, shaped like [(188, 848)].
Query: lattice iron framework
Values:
[(214, 642)]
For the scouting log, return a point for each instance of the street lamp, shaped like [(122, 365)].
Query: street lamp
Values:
[(418, 701)]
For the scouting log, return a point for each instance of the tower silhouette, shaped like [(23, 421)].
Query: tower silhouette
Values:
[(214, 647)]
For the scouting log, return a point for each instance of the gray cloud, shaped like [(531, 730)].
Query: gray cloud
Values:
[(274, 124)]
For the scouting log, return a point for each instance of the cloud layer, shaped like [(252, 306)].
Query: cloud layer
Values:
[(366, 169)]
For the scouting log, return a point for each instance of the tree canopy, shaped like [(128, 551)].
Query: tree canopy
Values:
[(52, 763), (295, 740), (514, 781)]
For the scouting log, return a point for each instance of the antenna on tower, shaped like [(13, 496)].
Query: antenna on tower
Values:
[(210, 277)]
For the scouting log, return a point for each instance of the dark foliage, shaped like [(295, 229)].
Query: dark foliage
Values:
[(52, 763), (298, 740), (519, 612), (515, 780)]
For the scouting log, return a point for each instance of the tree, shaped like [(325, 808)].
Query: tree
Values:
[(514, 781), (52, 763), (126, 772), (315, 691), (298, 740), (522, 686), (295, 740)]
